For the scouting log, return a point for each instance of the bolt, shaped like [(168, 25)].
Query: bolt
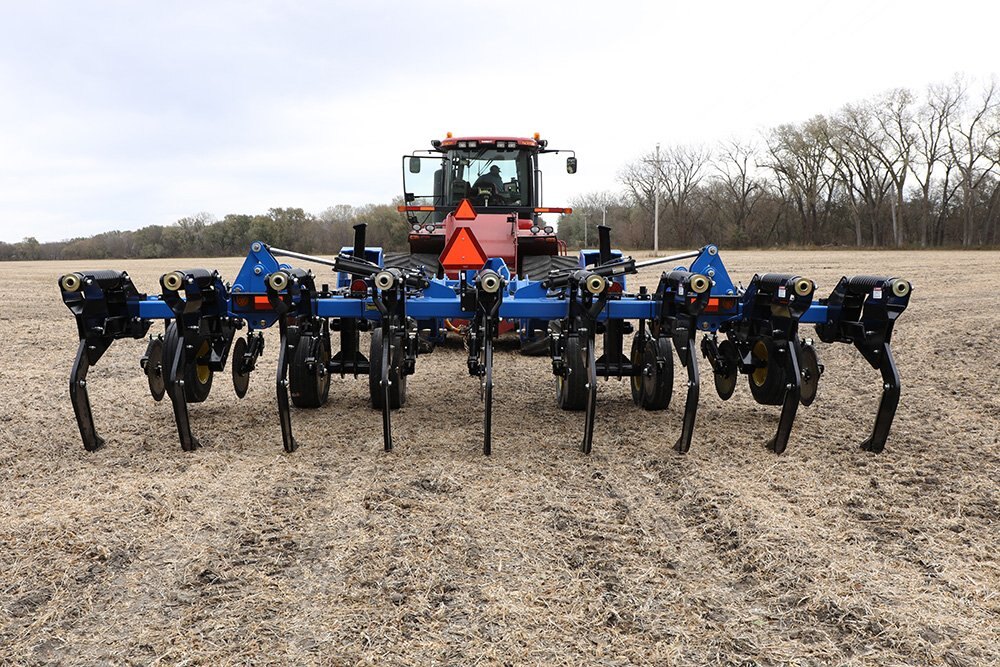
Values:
[(712, 250), (711, 273), (257, 270), (255, 247), (263, 323)]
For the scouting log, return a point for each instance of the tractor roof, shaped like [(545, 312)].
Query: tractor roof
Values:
[(454, 142)]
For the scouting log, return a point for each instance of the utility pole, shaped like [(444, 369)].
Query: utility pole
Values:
[(584, 230), (604, 216), (656, 203), (656, 199)]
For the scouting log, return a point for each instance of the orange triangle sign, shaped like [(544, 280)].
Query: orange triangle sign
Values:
[(465, 211), (463, 252)]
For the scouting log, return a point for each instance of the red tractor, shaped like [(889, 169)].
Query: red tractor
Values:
[(470, 199)]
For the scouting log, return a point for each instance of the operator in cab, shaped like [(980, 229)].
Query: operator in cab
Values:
[(492, 180)]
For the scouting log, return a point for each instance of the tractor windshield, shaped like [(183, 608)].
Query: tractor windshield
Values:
[(488, 177)]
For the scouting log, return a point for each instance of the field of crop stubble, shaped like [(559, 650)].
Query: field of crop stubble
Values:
[(433, 554)]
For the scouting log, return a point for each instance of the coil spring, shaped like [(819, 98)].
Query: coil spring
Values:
[(106, 278), (865, 284), (775, 280)]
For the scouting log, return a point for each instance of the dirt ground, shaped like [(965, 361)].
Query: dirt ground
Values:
[(340, 554)]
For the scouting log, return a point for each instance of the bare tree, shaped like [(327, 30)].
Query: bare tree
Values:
[(974, 143), (854, 136), (742, 190), (800, 157), (932, 158), (681, 172), (894, 147)]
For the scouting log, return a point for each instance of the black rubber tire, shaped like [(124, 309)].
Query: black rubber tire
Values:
[(537, 267), (809, 368), (767, 383), (405, 260), (541, 345), (397, 388), (725, 385), (197, 378), (571, 389), (658, 388), (309, 389)]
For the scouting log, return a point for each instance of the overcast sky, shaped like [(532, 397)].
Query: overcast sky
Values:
[(117, 115)]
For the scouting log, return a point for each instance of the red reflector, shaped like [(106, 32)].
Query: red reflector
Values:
[(261, 303), (547, 209), (359, 285), (463, 251), (716, 304), (404, 209), (615, 287), (242, 301), (466, 212)]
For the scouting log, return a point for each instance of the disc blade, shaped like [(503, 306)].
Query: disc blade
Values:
[(154, 370), (241, 380)]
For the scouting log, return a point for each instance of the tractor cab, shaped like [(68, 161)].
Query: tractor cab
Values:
[(489, 186)]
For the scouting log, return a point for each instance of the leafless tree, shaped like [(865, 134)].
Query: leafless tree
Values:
[(682, 169), (894, 148), (741, 189), (854, 137), (800, 157), (974, 143), (932, 157)]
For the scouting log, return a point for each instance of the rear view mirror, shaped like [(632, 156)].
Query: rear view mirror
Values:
[(414, 165), (571, 165)]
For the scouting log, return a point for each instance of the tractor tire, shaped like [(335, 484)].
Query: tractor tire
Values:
[(405, 260), (571, 389), (397, 387), (197, 377), (540, 346), (537, 267), (658, 387), (309, 388), (767, 379)]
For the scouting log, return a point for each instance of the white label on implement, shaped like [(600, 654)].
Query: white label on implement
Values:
[(680, 290), (877, 293), (781, 292)]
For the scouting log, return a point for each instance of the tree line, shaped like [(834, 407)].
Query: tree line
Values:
[(204, 236), (900, 169), (897, 170)]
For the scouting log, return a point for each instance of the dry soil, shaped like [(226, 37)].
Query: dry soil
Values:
[(341, 554)]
